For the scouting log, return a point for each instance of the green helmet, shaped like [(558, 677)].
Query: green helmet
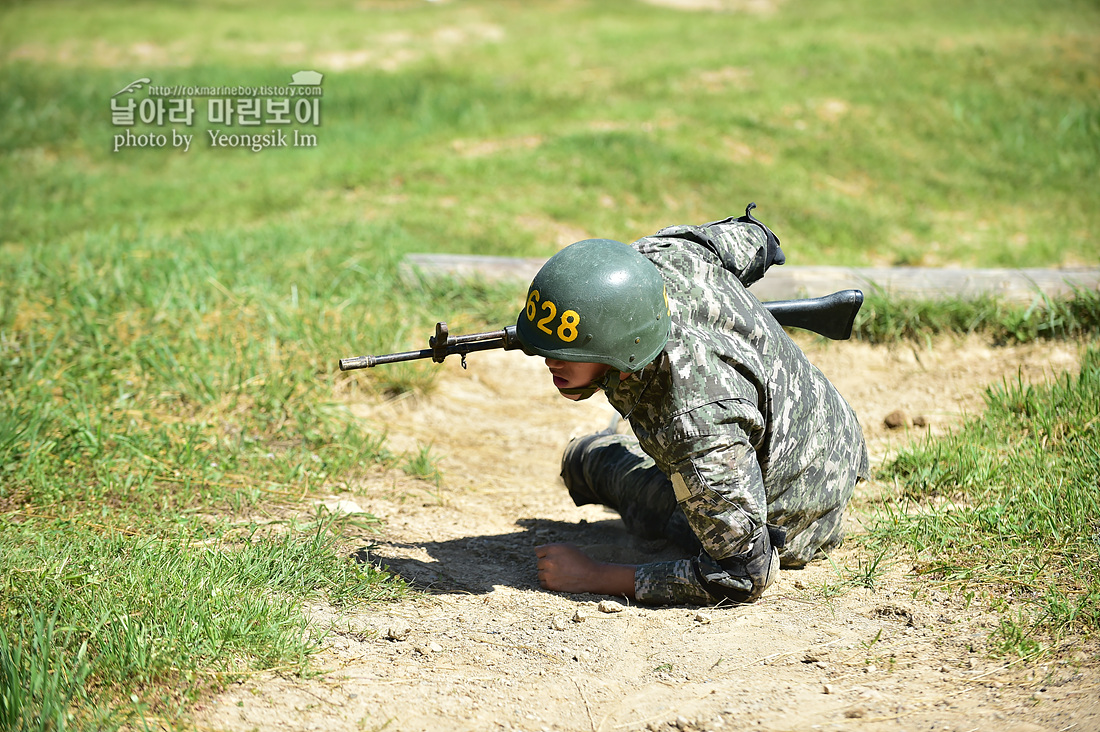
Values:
[(598, 301)]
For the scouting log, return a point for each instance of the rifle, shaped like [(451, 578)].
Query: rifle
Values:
[(831, 316)]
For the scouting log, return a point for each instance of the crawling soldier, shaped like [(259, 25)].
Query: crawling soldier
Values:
[(742, 451)]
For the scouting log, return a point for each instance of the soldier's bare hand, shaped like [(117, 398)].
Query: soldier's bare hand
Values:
[(565, 568)]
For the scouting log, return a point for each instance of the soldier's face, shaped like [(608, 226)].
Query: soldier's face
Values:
[(574, 374)]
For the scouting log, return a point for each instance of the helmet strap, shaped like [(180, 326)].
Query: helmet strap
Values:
[(608, 383), (581, 392), (610, 380)]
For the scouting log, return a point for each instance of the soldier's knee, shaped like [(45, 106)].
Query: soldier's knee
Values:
[(589, 461), (813, 542), (573, 473)]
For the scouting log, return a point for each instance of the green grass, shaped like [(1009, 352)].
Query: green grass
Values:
[(171, 321), (423, 464), (147, 389), (162, 615), (1009, 508), (926, 134), (886, 320), (37, 687)]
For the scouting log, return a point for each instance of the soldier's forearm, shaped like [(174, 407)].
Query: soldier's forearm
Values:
[(616, 579)]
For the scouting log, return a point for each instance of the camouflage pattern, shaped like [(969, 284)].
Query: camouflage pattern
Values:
[(732, 425)]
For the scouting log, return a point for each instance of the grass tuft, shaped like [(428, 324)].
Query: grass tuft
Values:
[(40, 682), (887, 320), (424, 465)]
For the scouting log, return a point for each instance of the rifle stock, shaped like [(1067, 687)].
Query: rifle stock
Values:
[(831, 316)]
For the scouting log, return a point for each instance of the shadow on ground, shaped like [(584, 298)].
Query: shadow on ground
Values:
[(477, 564)]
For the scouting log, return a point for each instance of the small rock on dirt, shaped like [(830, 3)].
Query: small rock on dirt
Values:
[(897, 419), (610, 606), (557, 623), (901, 612), (580, 616), (398, 630)]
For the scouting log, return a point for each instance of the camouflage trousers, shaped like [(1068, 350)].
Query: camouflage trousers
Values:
[(613, 471)]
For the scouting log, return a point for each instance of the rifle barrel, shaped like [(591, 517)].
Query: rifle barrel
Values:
[(366, 362), (456, 346)]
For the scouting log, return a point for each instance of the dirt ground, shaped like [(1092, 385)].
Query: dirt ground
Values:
[(484, 648)]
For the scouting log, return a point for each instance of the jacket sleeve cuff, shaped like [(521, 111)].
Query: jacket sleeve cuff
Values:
[(669, 583)]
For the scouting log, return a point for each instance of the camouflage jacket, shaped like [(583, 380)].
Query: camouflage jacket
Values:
[(747, 429)]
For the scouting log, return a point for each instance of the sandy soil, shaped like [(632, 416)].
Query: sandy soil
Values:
[(483, 648)]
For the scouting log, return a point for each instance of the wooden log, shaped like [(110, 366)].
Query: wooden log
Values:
[(788, 281)]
